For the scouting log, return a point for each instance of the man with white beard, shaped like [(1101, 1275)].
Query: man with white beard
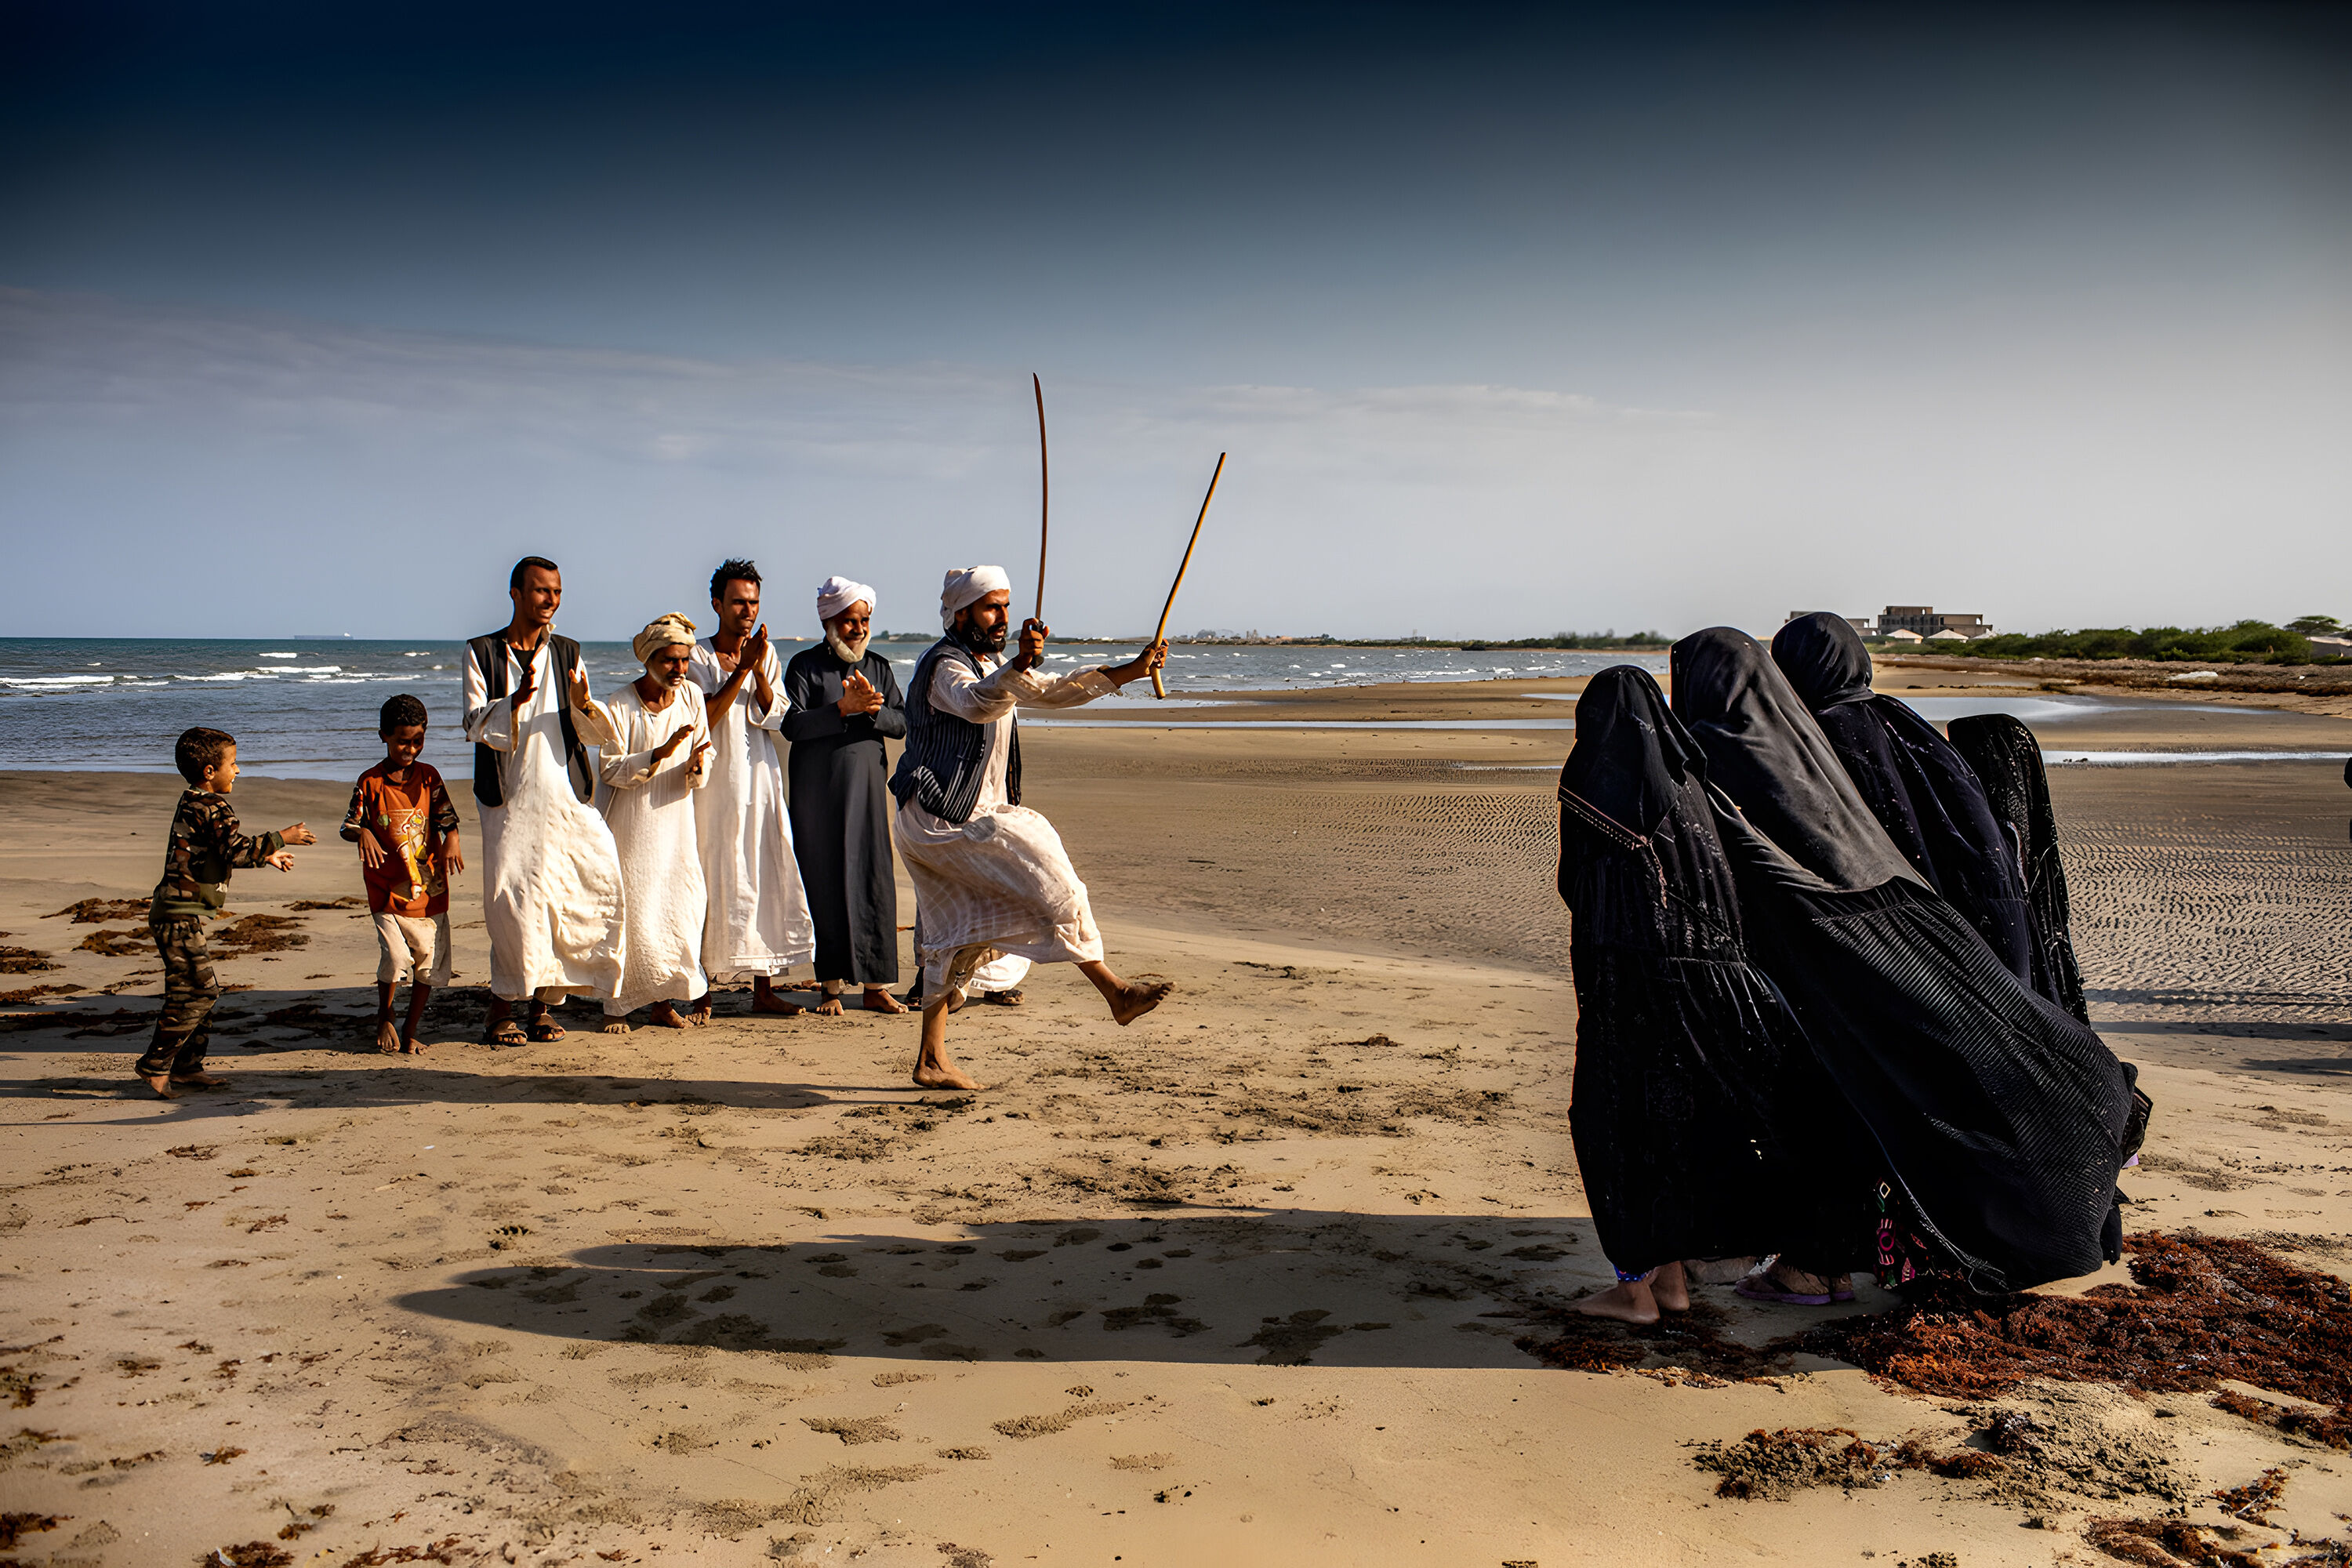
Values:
[(758, 924), (991, 875), (648, 800), (843, 703)]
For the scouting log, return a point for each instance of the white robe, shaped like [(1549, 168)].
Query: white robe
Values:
[(552, 898), (999, 884), (650, 806), (759, 919)]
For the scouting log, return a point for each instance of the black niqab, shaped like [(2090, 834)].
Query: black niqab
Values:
[(1999, 1121), (1918, 786), (2007, 760), (1703, 1127)]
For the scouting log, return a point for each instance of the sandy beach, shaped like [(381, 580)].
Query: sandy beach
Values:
[(1267, 1278)]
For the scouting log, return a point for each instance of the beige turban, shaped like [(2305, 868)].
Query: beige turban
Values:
[(668, 631), (839, 593), (969, 585)]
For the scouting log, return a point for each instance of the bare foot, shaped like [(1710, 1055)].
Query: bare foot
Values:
[(1627, 1301), (933, 1074), (828, 1008), (665, 1016), (879, 1000), (413, 1046), (769, 1002), (1669, 1289), (1135, 1001), (387, 1038), (161, 1085), (199, 1080), (699, 1014), (616, 1026)]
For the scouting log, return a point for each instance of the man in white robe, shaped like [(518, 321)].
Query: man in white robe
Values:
[(659, 757), (758, 924), (991, 875), (550, 878)]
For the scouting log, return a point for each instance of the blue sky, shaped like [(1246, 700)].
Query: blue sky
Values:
[(1513, 320)]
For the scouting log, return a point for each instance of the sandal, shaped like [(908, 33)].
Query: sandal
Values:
[(1759, 1287), (505, 1032), (1002, 998)]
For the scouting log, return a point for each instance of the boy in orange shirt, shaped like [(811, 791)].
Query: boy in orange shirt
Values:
[(407, 828)]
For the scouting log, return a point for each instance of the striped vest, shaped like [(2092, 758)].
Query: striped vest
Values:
[(946, 757)]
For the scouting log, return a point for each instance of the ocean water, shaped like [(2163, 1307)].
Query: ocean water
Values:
[(306, 707)]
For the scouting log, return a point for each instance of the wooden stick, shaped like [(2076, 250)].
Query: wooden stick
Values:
[(1158, 688), (1044, 493)]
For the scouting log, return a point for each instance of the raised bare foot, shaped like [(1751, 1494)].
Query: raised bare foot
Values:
[(1627, 1301), (665, 1016), (769, 1002), (161, 1084), (616, 1026), (879, 1000), (387, 1038), (933, 1074), (1135, 1001), (830, 1007)]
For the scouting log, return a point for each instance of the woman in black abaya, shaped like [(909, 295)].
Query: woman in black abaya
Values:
[(1922, 792), (1999, 1121), (2008, 759), (1697, 1114)]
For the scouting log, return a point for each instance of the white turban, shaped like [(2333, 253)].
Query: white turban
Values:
[(666, 632), (839, 593), (967, 586)]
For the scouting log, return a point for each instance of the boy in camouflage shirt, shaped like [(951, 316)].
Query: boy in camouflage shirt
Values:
[(203, 847)]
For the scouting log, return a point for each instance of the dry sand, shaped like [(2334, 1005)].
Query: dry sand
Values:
[(1239, 1284)]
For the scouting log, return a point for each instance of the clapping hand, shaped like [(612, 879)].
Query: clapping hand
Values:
[(282, 860), (858, 696), (528, 682), (582, 698), (755, 649), (662, 752), (694, 763), (299, 834)]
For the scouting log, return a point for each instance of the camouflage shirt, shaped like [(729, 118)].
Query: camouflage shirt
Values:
[(206, 846)]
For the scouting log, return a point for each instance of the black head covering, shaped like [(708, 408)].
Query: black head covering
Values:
[(1631, 754), (2007, 760), (1822, 657), (1921, 790), (1765, 752)]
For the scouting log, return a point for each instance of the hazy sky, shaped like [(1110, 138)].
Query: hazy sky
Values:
[(1513, 321)]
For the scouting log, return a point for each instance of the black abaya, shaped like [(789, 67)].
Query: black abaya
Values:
[(2001, 1120), (2008, 759), (841, 808), (1698, 1117), (1918, 785)]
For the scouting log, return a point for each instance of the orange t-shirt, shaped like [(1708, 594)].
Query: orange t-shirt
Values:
[(409, 819)]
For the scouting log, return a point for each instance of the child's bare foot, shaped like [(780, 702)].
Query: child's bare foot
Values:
[(159, 1083), (199, 1080), (879, 1000), (616, 1024), (413, 1046), (666, 1016), (387, 1038), (830, 1007), (1134, 1001), (942, 1075), (1627, 1301)]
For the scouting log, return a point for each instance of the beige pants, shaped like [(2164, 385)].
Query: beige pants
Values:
[(415, 948)]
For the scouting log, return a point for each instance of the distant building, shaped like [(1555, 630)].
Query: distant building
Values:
[(1927, 621)]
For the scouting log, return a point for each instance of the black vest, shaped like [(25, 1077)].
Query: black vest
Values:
[(489, 654), (946, 757)]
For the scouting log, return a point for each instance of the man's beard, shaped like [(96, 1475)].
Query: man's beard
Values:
[(848, 652), (983, 640)]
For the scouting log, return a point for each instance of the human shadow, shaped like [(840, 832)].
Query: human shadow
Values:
[(1237, 1287)]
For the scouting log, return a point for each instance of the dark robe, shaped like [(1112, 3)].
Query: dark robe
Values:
[(1921, 790), (841, 814), (1697, 1113), (2006, 758), (1999, 1121)]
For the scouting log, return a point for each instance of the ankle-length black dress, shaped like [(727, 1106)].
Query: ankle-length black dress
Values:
[(1702, 1127), (2006, 758)]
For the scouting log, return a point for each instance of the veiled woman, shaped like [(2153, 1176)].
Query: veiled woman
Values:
[(1698, 1116), (2006, 758), (2000, 1122), (1918, 786)]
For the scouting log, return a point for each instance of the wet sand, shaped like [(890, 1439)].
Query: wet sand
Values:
[(1242, 1283)]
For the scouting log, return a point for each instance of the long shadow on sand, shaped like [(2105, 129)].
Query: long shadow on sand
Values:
[(1240, 1287)]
